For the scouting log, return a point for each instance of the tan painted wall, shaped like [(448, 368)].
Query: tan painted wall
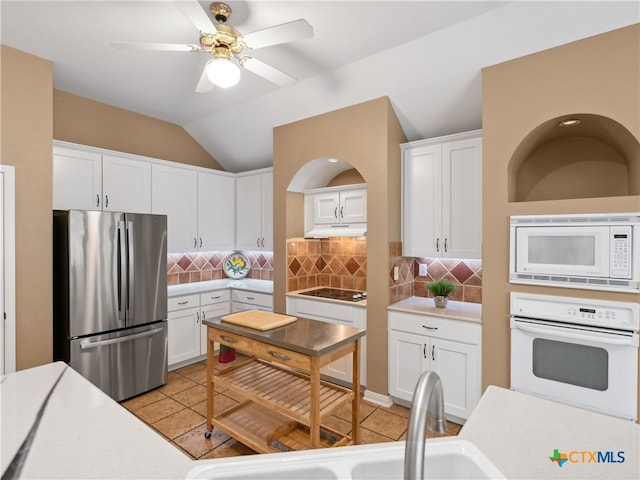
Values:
[(599, 75), (87, 122), (33, 114), (367, 136), (27, 132), (350, 177)]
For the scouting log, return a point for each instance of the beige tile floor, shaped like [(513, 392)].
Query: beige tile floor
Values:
[(177, 411)]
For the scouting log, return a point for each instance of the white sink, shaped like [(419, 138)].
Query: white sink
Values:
[(444, 459)]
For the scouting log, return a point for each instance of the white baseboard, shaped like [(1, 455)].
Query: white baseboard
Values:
[(378, 399)]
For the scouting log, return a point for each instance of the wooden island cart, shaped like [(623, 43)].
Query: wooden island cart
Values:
[(284, 399)]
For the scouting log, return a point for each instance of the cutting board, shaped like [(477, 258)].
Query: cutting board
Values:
[(258, 319)]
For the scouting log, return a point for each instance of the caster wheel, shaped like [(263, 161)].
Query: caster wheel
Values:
[(207, 434)]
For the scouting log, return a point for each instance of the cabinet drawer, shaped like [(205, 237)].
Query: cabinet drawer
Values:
[(326, 311), (231, 340), (182, 302), (217, 296), (282, 356), (447, 328), (261, 299)]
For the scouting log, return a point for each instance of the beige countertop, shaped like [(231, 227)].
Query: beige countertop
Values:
[(471, 312)]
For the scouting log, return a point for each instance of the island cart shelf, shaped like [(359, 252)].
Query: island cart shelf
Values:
[(284, 400)]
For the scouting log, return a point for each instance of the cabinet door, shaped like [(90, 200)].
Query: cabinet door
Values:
[(184, 335), (216, 212), (175, 195), (248, 212), (421, 201), (326, 208), (267, 212), (209, 312), (462, 199), (456, 364), (353, 206), (407, 360), (77, 180), (126, 185)]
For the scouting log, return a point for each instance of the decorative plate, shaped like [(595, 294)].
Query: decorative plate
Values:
[(236, 265)]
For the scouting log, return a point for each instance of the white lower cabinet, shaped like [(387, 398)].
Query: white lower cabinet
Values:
[(341, 314), (451, 348), (186, 334), (242, 300)]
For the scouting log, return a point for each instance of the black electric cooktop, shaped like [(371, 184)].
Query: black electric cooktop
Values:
[(336, 294)]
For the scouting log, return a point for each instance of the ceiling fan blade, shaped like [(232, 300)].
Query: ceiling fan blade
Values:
[(204, 84), (161, 47), (197, 15), (267, 71), (285, 32)]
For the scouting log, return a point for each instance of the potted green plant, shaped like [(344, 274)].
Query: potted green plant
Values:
[(441, 289)]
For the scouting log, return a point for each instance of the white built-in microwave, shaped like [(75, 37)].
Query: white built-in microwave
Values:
[(594, 251)]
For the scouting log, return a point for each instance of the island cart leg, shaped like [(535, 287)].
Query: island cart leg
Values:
[(210, 386), (314, 421), (355, 387)]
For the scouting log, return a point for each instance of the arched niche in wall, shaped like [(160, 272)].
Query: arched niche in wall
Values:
[(593, 157), (324, 172)]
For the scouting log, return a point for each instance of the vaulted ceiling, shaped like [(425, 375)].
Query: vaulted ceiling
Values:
[(426, 56)]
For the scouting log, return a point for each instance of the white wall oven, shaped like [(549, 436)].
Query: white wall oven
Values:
[(581, 352), (597, 251)]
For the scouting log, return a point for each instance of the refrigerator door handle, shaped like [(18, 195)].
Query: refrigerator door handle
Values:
[(130, 264), (111, 341), (122, 270)]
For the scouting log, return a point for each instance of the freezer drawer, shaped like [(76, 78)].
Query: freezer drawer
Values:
[(124, 363)]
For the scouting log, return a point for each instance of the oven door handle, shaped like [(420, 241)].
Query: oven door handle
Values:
[(595, 337)]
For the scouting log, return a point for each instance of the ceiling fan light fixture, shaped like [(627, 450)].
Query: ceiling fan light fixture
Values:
[(222, 72)]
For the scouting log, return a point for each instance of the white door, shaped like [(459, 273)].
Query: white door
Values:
[(209, 312), (175, 195), (267, 212), (184, 335), (126, 185), (216, 212), (456, 365), (407, 361), (7, 271), (421, 200), (249, 212), (326, 208), (462, 199), (77, 180), (353, 206)]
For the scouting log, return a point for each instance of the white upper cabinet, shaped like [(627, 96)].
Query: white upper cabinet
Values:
[(199, 208), (331, 211), (442, 197), (216, 211), (254, 211), (175, 194), (126, 185), (85, 180)]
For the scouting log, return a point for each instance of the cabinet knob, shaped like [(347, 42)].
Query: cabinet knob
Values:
[(437, 244), (341, 212), (200, 242), (97, 200), (106, 201), (258, 242), (445, 245), (195, 242), (430, 328), (278, 356), (335, 212)]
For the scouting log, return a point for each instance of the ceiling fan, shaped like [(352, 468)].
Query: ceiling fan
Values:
[(227, 46)]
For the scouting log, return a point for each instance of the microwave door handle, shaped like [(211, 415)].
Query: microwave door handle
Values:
[(595, 337)]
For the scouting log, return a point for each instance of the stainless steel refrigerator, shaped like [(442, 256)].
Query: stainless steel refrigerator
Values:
[(110, 298)]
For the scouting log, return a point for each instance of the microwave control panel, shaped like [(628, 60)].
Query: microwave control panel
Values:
[(620, 261)]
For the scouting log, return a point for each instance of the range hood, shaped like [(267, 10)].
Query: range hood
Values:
[(341, 230)]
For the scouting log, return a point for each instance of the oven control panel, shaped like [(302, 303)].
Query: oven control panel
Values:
[(582, 311)]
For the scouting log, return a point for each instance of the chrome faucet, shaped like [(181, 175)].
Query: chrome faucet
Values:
[(427, 411)]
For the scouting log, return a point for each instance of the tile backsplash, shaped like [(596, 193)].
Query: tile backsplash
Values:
[(327, 262), (466, 273), (202, 266)]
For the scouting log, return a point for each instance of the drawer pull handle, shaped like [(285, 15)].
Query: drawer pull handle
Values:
[(251, 298), (228, 339), (183, 303), (278, 356), (216, 297), (430, 328)]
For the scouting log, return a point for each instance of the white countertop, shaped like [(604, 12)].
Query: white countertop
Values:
[(83, 432), (249, 284), (519, 433), (471, 312)]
